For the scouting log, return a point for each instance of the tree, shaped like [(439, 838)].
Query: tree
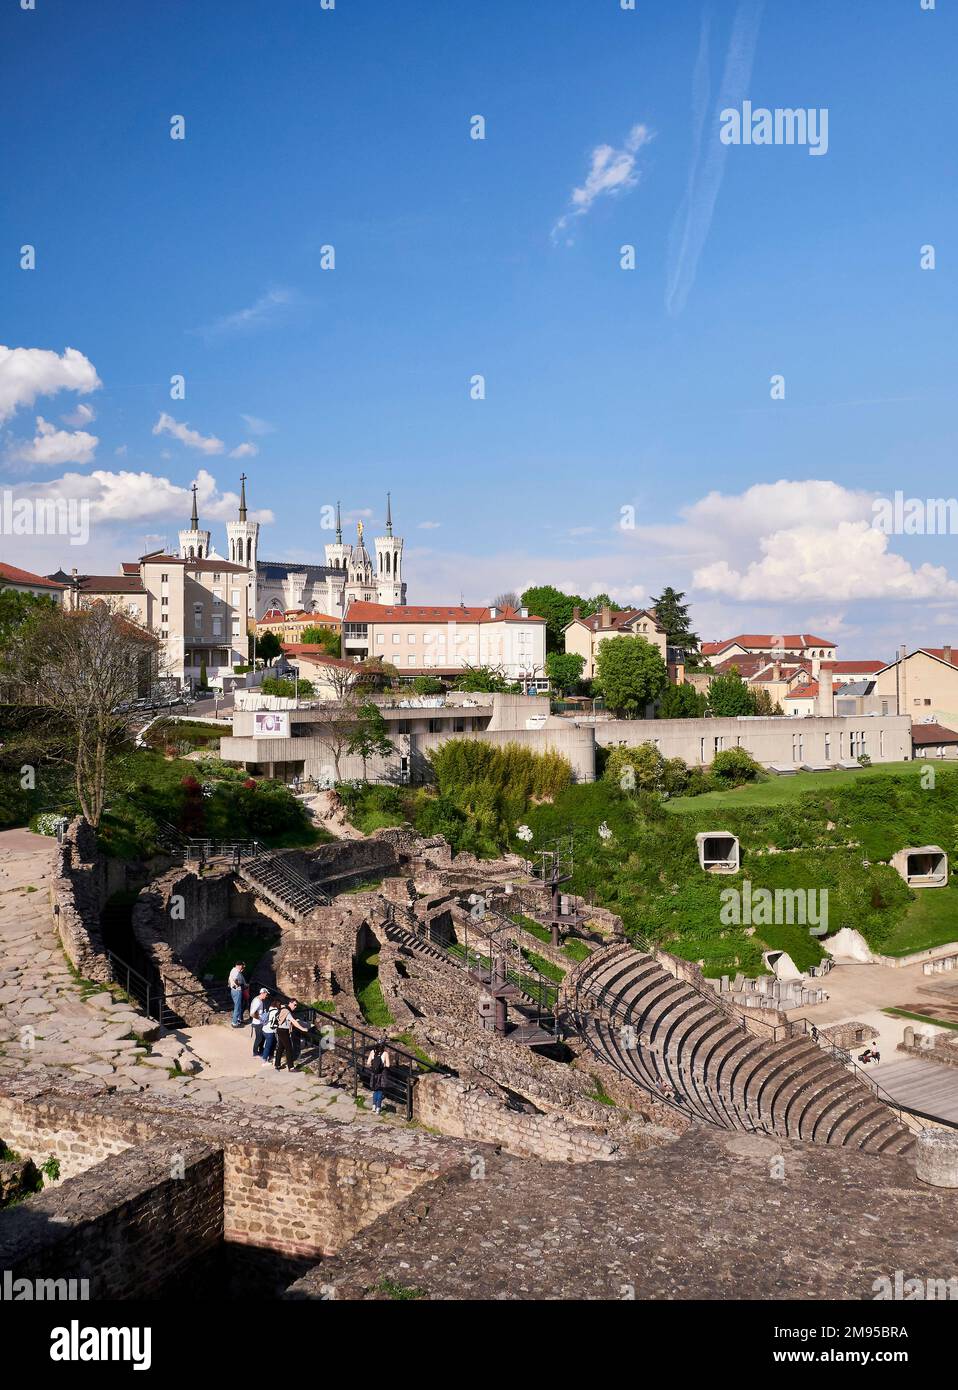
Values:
[(682, 702), (564, 670), (16, 608), (322, 637), (546, 601), (268, 646), (672, 614), (730, 696), (203, 683), (588, 606), (374, 675), (428, 685), (510, 599), (630, 674), (733, 766), (762, 702), (370, 737), (86, 665), (482, 678)]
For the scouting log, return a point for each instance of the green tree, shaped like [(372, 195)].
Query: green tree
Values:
[(370, 737), (564, 670), (682, 702), (733, 766), (588, 606), (672, 614), (428, 685), (268, 646), (546, 601), (482, 678), (630, 674), (203, 683), (16, 608), (730, 696), (762, 703), (322, 637)]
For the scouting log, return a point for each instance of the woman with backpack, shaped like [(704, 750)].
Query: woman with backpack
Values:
[(378, 1062)]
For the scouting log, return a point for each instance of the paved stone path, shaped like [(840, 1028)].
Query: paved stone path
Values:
[(48, 1018)]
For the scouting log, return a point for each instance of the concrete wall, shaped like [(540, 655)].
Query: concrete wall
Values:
[(772, 740)]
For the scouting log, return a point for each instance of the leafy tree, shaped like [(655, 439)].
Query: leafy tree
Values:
[(630, 674), (729, 696), (564, 670), (370, 737), (203, 681), (682, 702), (268, 646), (482, 678), (546, 601), (762, 703), (428, 685), (588, 606), (733, 766), (16, 608), (322, 637), (672, 614), (374, 675), (272, 685)]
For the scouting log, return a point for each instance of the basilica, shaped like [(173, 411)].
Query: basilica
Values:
[(349, 572)]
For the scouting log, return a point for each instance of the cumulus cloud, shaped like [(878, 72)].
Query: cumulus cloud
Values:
[(244, 451), (127, 496), (611, 172), (26, 373), (51, 447), (83, 415), (207, 444)]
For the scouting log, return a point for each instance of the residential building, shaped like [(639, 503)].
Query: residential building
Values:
[(445, 639), (922, 683), (41, 586), (197, 607), (933, 741), (794, 646), (584, 636), (289, 627)]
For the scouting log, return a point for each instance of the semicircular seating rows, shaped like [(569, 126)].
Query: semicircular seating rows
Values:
[(659, 1030)]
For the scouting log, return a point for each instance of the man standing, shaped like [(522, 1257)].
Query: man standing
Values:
[(285, 1024), (237, 991), (257, 1017)]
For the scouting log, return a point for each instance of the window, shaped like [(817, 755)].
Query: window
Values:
[(217, 596), (197, 615), (164, 603), (235, 597), (458, 726), (411, 639), (217, 627), (411, 659), (927, 702), (828, 748), (165, 578), (395, 639), (379, 638), (435, 726), (216, 578)]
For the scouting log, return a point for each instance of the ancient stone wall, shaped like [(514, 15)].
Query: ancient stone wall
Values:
[(78, 891), (129, 1225)]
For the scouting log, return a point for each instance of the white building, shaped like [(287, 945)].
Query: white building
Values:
[(441, 639)]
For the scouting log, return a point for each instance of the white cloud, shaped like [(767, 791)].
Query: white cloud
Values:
[(267, 308), (126, 496), (429, 525), (611, 173), (120, 451), (244, 451), (51, 447), (83, 415), (26, 373), (257, 426), (207, 444)]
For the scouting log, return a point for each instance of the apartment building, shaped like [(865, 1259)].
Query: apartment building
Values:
[(445, 639), (24, 582), (584, 636), (922, 683), (198, 608), (792, 646), (290, 626)]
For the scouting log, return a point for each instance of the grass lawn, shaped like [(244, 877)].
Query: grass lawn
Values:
[(931, 920), (921, 1018), (369, 994), (779, 791)]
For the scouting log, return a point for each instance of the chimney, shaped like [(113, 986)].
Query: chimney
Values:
[(816, 667), (493, 612), (777, 671), (946, 653), (576, 613), (606, 620), (826, 707), (901, 672)]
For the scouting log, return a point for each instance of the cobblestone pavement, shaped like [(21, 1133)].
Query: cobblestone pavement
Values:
[(49, 1018)]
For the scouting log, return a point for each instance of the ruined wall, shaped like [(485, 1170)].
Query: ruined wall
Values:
[(127, 1225), (78, 891), (290, 1183)]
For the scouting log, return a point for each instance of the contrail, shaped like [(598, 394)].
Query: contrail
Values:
[(690, 227)]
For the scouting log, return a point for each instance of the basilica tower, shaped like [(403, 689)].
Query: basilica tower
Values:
[(242, 536), (194, 543), (389, 581)]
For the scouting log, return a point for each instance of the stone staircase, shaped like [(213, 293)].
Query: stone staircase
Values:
[(292, 894), (654, 1028)]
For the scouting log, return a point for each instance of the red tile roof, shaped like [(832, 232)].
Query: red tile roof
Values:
[(317, 655), (939, 652), (932, 733), (360, 612), (110, 584), (617, 620), (793, 641), (11, 575)]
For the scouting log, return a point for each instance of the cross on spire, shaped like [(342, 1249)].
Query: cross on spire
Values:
[(242, 506), (194, 519)]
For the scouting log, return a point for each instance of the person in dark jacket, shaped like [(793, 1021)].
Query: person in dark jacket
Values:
[(378, 1063)]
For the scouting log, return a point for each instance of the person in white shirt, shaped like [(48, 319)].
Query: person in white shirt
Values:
[(238, 992), (257, 1017)]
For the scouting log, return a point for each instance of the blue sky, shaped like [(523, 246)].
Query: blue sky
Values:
[(605, 388)]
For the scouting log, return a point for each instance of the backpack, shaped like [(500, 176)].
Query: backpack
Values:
[(271, 1018)]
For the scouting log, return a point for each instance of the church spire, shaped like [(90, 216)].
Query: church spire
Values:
[(339, 526), (242, 506), (194, 519), (389, 514)]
